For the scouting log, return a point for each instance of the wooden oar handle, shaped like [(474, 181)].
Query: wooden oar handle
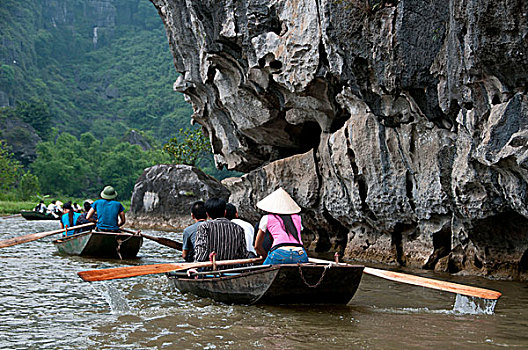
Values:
[(34, 236), (161, 240), (132, 271), (130, 231)]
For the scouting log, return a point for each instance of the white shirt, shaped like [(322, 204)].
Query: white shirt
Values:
[(249, 233), (51, 208)]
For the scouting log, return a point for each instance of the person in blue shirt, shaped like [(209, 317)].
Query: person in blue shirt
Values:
[(68, 219), (199, 215), (110, 213)]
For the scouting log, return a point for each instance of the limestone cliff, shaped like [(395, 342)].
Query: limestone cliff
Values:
[(399, 126)]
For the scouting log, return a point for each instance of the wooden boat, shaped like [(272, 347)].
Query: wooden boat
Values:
[(274, 284), (35, 215), (100, 244)]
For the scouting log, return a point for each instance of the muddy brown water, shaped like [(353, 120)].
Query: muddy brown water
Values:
[(44, 305)]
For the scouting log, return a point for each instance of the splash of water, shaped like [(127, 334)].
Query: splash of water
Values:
[(473, 306), (115, 299)]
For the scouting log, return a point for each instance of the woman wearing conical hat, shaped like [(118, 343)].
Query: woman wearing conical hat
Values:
[(284, 224)]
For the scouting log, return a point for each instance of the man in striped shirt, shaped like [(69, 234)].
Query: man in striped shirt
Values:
[(219, 235)]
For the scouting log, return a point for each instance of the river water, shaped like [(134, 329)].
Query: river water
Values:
[(44, 305)]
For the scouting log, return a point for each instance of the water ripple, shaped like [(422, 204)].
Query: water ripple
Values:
[(46, 306)]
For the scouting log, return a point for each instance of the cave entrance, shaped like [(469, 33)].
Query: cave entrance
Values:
[(441, 247), (503, 237), (306, 137)]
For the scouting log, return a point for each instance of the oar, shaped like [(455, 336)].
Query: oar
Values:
[(161, 240), (11, 216), (34, 236), (141, 270), (426, 282)]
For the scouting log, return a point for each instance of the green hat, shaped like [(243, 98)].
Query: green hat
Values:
[(108, 193)]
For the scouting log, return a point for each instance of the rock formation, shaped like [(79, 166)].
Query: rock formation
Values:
[(21, 137), (163, 196), (400, 126)]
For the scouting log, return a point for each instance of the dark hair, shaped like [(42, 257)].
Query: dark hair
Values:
[(68, 206), (215, 207), (230, 211), (198, 210), (289, 226), (87, 206)]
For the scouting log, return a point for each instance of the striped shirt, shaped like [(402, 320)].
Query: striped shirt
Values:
[(221, 236)]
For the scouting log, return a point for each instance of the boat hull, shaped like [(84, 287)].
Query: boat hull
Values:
[(277, 284), (100, 244), (34, 215)]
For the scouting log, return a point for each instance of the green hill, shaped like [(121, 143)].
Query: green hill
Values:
[(101, 66), (76, 76)]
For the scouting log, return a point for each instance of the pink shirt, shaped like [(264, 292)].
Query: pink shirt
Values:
[(276, 227)]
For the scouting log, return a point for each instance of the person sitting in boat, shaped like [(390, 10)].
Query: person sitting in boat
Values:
[(110, 213), (53, 209), (77, 207), (199, 215), (219, 235), (82, 217), (284, 224), (232, 214), (68, 219), (41, 207), (59, 207)]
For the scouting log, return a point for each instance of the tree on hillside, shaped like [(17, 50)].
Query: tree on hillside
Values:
[(9, 167), (28, 186), (81, 167), (188, 147), (37, 114), (34, 112)]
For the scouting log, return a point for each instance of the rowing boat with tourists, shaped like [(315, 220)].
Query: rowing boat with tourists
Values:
[(98, 232), (224, 270)]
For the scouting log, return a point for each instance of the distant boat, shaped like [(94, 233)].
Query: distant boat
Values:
[(274, 284), (35, 215), (100, 244)]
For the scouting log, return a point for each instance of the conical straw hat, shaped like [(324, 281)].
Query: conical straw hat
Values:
[(279, 202)]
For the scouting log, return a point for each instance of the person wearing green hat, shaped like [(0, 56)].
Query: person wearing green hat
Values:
[(110, 213)]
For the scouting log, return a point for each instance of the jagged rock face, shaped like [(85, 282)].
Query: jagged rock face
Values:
[(414, 114), (135, 138), (164, 194), (21, 137)]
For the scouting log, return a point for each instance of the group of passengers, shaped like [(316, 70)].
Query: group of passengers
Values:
[(56, 208), (106, 213), (217, 228)]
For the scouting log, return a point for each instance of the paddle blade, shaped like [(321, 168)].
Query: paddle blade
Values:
[(128, 271), (34, 236), (434, 284), (425, 282)]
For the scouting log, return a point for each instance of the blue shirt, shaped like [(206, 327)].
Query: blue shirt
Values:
[(189, 237), (65, 219), (107, 213)]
